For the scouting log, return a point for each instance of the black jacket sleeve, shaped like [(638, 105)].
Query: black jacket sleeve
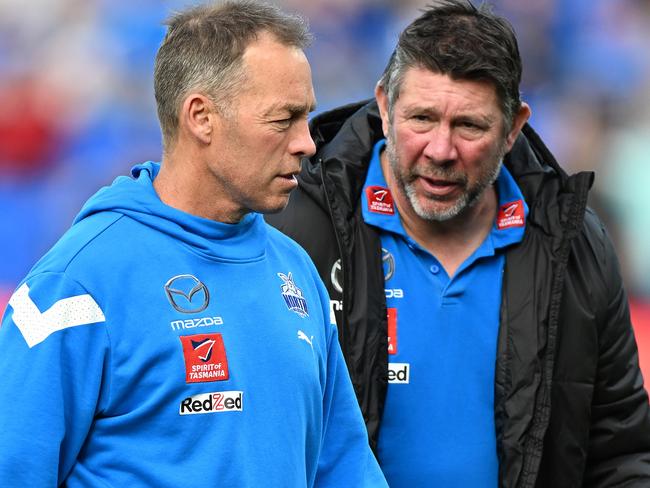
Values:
[(619, 438)]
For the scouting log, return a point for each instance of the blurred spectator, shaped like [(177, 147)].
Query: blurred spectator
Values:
[(346, 57), (624, 184), (77, 109), (30, 133)]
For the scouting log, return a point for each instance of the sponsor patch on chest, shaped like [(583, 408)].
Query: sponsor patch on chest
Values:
[(218, 401), (399, 373), (392, 330), (380, 200), (511, 215), (205, 358)]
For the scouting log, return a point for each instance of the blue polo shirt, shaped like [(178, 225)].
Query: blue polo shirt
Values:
[(438, 425)]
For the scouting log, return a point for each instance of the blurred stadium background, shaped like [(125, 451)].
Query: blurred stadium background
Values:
[(77, 107)]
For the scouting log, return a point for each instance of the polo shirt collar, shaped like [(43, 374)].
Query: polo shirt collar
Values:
[(379, 209)]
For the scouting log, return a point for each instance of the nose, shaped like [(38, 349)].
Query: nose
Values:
[(440, 147), (302, 144)]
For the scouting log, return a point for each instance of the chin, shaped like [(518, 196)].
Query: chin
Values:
[(437, 211), (273, 207)]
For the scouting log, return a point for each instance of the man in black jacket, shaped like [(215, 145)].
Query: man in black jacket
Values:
[(479, 302)]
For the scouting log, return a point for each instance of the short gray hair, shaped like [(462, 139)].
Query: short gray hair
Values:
[(203, 50), (455, 38)]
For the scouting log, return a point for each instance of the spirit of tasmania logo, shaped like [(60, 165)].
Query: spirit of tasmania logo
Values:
[(380, 200), (511, 215), (392, 330), (205, 358), (293, 296)]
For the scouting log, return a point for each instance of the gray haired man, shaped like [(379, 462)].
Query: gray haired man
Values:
[(171, 337)]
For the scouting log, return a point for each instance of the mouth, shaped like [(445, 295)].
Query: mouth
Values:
[(437, 187), (289, 179)]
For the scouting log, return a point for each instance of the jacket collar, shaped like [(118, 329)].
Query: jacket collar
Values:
[(345, 137)]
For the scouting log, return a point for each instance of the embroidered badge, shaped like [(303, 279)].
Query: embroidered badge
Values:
[(205, 358), (293, 296), (511, 215), (380, 200)]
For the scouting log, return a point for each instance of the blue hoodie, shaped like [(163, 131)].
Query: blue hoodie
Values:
[(153, 348)]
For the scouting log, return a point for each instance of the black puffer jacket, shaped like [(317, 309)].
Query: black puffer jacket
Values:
[(570, 407)]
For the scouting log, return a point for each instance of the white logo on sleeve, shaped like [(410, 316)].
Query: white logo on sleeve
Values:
[(36, 326)]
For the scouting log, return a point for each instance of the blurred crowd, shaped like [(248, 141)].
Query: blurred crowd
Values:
[(77, 107)]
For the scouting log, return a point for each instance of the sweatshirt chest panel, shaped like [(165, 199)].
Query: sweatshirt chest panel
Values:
[(216, 348), (222, 325)]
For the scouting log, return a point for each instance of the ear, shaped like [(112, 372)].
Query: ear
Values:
[(521, 117), (382, 103), (198, 117)]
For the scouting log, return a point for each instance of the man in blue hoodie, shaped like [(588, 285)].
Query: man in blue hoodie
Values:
[(171, 338)]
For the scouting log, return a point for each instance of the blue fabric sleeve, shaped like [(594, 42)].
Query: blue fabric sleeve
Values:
[(346, 458), (53, 349)]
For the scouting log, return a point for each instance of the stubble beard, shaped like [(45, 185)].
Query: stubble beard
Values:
[(471, 194)]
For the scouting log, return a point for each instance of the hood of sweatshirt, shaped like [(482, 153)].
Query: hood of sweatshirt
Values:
[(136, 198)]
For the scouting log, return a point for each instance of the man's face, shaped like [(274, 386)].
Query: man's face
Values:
[(260, 141), (445, 142)]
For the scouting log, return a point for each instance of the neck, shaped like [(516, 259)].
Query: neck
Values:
[(451, 241), (186, 183)]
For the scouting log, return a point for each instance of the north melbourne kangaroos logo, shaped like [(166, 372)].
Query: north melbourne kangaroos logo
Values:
[(293, 296)]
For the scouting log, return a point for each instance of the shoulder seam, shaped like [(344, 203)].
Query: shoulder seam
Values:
[(65, 269)]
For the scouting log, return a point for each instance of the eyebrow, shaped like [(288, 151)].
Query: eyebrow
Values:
[(293, 109), (480, 118), (463, 114)]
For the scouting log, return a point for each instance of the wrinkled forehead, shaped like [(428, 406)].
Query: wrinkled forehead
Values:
[(277, 75), (423, 86)]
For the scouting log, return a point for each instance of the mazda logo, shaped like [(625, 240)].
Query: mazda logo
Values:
[(187, 294), (388, 262), (335, 276)]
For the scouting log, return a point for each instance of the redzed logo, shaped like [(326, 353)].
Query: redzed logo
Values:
[(218, 401), (380, 200), (392, 330), (511, 215), (205, 358), (399, 373)]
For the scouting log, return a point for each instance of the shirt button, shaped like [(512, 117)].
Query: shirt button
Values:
[(434, 269)]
